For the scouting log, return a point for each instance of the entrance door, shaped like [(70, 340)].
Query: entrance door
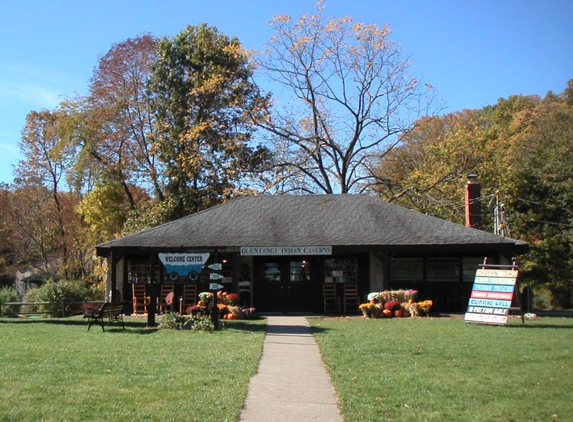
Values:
[(283, 285)]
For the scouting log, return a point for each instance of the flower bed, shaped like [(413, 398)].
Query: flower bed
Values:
[(228, 306), (395, 303)]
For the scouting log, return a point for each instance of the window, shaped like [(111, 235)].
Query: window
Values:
[(270, 272), (443, 269), (341, 271), (139, 271), (407, 270), (299, 271), (470, 266)]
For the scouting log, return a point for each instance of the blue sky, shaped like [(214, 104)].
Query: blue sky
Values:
[(472, 51)]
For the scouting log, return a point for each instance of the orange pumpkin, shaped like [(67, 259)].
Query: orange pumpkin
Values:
[(398, 314), (231, 316), (387, 313)]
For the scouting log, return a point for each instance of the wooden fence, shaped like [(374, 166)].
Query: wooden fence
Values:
[(61, 309)]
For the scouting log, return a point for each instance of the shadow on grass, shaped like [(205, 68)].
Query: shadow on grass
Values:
[(544, 325), (140, 326), (132, 327), (245, 326), (272, 329)]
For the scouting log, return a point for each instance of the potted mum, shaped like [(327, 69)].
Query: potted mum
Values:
[(390, 307), (369, 310), (410, 295)]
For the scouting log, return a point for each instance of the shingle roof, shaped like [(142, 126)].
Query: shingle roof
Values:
[(289, 220)]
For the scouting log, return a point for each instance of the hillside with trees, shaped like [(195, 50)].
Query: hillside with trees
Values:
[(522, 150)]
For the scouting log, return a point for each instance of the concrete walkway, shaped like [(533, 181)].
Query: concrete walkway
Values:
[(292, 383)]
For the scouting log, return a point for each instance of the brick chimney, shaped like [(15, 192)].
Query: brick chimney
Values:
[(473, 202)]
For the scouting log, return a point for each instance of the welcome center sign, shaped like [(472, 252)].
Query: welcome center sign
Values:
[(491, 297)]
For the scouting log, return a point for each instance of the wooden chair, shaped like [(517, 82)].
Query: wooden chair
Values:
[(189, 297), (140, 298), (351, 299), (330, 298), (165, 300)]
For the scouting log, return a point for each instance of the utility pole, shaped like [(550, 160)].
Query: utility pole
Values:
[(500, 226)]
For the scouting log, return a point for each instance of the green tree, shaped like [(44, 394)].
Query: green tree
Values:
[(540, 190), (347, 98), (204, 99)]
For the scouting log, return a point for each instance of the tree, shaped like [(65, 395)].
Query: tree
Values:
[(120, 116), (204, 100), (43, 169), (540, 190), (521, 149), (427, 171), (348, 100), (8, 234), (50, 231)]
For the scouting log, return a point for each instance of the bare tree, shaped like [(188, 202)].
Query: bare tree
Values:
[(345, 99)]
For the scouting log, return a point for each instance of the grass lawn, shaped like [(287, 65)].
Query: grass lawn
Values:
[(54, 370), (442, 369)]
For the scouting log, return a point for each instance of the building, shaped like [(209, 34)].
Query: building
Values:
[(280, 251)]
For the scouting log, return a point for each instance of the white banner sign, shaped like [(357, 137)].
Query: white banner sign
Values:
[(183, 264), (285, 250)]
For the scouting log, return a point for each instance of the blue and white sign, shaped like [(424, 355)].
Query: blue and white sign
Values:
[(184, 264)]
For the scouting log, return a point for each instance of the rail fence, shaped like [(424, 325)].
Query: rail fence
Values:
[(62, 308)]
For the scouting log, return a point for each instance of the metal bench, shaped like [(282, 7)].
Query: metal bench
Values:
[(112, 311)]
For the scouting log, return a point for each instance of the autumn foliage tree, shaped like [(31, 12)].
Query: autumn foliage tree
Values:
[(521, 150), (428, 170), (120, 121), (49, 227), (539, 190), (114, 129)]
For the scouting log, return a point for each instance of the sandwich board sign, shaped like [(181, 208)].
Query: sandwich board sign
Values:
[(492, 294), (183, 264)]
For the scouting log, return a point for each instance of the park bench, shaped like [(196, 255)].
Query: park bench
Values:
[(112, 311)]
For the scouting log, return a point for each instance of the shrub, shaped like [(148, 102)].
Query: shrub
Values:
[(542, 299), (9, 294), (62, 291), (204, 323), (30, 296), (171, 321)]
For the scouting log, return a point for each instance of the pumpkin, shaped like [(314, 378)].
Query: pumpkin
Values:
[(387, 313), (231, 316), (398, 314)]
